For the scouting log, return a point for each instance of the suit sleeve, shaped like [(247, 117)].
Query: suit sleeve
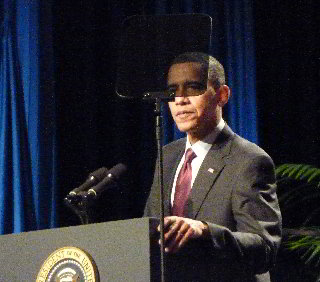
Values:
[(152, 204), (257, 215), (152, 207), (172, 154)]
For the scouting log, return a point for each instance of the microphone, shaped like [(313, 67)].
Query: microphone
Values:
[(93, 178), (111, 180)]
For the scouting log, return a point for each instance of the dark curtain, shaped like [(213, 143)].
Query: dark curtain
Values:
[(287, 37), (27, 118)]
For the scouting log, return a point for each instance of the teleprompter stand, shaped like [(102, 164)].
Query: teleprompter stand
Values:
[(158, 98)]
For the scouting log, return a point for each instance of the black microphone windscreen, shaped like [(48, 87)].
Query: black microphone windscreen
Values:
[(99, 174), (114, 174), (117, 171), (93, 178)]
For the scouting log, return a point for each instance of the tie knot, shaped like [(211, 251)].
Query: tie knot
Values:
[(190, 155)]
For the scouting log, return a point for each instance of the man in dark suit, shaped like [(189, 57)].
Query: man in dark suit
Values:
[(230, 212)]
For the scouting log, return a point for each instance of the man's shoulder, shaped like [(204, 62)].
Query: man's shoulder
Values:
[(245, 148), (175, 145)]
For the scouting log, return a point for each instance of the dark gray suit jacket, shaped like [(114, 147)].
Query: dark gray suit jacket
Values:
[(235, 194)]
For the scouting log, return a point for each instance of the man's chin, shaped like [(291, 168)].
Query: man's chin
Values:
[(186, 128)]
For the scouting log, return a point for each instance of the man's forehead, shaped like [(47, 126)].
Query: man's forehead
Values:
[(185, 65), (186, 70)]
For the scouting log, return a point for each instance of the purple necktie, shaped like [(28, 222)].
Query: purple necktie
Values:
[(183, 185)]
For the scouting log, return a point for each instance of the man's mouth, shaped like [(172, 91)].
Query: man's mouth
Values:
[(183, 114)]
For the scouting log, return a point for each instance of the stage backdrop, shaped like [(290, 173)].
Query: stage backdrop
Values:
[(27, 117)]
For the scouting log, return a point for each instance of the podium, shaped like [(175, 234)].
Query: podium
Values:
[(124, 250)]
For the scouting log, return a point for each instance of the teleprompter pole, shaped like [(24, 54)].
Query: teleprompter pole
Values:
[(160, 182), (160, 97)]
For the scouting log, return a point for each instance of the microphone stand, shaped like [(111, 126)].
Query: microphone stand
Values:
[(80, 205), (160, 97)]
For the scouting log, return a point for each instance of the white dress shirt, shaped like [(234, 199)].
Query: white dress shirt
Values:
[(201, 148)]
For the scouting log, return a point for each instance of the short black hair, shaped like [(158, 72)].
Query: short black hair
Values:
[(210, 65)]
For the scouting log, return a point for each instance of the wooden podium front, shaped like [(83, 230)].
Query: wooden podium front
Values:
[(124, 250)]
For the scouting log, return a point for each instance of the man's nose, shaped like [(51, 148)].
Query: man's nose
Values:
[(181, 92), (180, 100)]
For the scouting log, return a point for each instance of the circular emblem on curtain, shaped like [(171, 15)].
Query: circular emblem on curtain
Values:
[(68, 264)]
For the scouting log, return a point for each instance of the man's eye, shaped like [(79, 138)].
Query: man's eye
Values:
[(197, 86)]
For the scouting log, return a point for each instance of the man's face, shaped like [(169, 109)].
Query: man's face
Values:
[(196, 115)]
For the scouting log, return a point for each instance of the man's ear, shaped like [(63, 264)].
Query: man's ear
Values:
[(224, 93)]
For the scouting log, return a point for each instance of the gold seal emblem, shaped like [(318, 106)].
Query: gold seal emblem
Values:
[(68, 264)]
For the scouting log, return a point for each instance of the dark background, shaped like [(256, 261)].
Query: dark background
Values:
[(96, 128)]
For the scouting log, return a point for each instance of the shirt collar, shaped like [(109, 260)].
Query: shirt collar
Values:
[(202, 147)]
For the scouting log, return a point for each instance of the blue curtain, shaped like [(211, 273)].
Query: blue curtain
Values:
[(241, 68), (233, 21), (27, 118)]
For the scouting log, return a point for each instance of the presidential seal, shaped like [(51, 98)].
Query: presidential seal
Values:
[(68, 264)]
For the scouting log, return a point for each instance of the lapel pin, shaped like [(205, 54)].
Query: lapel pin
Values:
[(211, 170)]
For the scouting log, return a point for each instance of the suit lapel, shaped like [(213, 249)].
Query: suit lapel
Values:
[(210, 169)]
